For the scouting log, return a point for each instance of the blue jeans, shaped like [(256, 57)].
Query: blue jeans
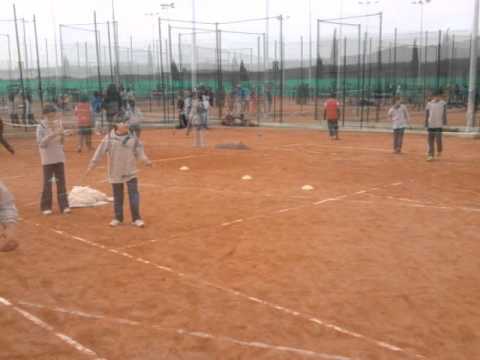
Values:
[(204, 119), (133, 196), (398, 139), (333, 128), (434, 136)]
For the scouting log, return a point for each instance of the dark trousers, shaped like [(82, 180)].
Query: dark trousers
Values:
[(6, 144), (333, 128), (133, 196), (398, 139), (54, 173), (434, 136)]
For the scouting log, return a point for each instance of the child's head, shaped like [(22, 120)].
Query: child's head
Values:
[(50, 112), (397, 100), (437, 94), (121, 128)]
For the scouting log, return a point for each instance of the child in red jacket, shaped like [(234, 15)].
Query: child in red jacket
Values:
[(83, 113)]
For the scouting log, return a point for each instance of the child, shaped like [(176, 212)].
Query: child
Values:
[(398, 114), (123, 151), (8, 220), (50, 134), (331, 113), (435, 119), (3, 141), (195, 119), (83, 113)]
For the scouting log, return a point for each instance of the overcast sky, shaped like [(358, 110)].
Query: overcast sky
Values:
[(439, 14)]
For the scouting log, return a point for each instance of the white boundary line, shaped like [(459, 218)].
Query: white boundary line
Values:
[(196, 334), (40, 323), (205, 283), (255, 217)]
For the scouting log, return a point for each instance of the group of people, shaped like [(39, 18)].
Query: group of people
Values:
[(123, 147), (435, 120)]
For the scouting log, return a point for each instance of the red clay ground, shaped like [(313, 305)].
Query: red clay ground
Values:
[(380, 261)]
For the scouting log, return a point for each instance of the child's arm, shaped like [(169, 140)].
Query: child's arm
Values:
[(140, 154), (99, 153), (444, 115), (427, 115), (8, 211), (43, 139)]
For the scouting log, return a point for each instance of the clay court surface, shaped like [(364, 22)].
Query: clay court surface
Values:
[(379, 261)]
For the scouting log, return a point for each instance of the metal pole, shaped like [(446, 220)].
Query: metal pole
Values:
[(10, 65), (180, 58), (40, 90), (439, 59), (364, 65), (309, 42), (424, 72), (116, 44), (87, 72), (472, 89), (359, 68), (282, 69), (20, 67), (27, 63), (344, 79), (46, 54), (194, 48), (162, 72), (395, 39), (110, 53), (317, 71), (97, 49), (170, 55), (380, 70), (258, 81), (62, 59)]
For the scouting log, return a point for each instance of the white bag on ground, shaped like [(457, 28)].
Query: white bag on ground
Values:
[(84, 196)]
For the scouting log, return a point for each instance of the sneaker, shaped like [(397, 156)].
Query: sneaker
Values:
[(47, 212), (430, 158), (67, 210), (115, 223), (9, 246), (139, 223)]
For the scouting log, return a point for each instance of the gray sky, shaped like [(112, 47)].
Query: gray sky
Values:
[(439, 14)]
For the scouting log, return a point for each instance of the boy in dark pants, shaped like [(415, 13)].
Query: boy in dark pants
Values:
[(435, 119), (123, 150), (3, 141), (331, 113), (50, 134)]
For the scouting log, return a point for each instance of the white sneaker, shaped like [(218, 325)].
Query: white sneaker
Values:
[(139, 223), (430, 158), (47, 212), (115, 223), (67, 210)]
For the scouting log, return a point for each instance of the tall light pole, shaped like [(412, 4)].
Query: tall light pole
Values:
[(472, 91), (194, 48), (421, 3)]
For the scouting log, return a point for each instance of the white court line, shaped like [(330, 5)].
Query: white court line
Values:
[(205, 283), (179, 158), (229, 223), (66, 339), (196, 334)]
